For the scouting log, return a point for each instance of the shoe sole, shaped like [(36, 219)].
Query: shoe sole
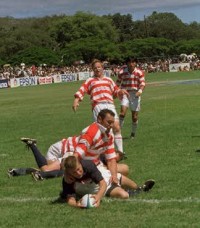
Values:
[(9, 173), (149, 184), (26, 140), (36, 178)]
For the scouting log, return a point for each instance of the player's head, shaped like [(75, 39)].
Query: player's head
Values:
[(97, 67), (131, 62), (106, 118), (73, 167)]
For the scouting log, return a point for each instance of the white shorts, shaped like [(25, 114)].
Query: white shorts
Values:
[(132, 102), (92, 188), (102, 106), (54, 152)]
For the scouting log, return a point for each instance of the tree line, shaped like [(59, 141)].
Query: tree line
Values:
[(61, 40)]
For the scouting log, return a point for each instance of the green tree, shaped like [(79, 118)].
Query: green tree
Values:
[(165, 25), (142, 48), (37, 56), (82, 26), (123, 24), (88, 49), (187, 47)]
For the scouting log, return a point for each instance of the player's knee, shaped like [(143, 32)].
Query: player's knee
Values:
[(135, 120), (123, 169), (123, 194), (121, 115)]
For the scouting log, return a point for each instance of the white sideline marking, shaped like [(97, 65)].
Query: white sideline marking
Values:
[(108, 200), (156, 201), (3, 155), (22, 200)]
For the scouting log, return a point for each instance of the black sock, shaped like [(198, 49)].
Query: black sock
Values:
[(22, 171), (39, 158), (52, 174)]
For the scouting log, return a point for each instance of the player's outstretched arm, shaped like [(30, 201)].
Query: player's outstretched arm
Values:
[(75, 104)]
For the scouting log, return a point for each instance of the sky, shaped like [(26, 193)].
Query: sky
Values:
[(186, 10)]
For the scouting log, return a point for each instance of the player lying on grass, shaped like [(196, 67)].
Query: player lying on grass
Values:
[(95, 140), (84, 177), (50, 168)]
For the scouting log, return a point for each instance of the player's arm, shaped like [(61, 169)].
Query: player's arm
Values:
[(141, 86), (117, 92), (121, 93), (140, 91), (75, 104), (68, 193), (72, 202), (101, 192), (79, 96), (112, 166)]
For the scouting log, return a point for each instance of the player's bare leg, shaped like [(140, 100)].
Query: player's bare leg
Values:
[(134, 123), (122, 115)]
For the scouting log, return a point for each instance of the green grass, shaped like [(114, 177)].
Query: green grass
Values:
[(164, 149)]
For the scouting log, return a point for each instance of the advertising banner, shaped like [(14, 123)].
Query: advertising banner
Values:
[(179, 67), (45, 80), (4, 83), (25, 81), (83, 75), (56, 78), (69, 77)]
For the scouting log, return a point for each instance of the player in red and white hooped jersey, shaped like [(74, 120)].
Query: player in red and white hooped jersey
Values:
[(95, 140), (132, 79), (92, 142), (102, 90)]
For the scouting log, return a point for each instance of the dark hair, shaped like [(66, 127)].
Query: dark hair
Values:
[(103, 113), (131, 59)]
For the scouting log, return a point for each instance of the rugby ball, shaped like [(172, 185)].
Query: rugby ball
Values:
[(87, 201)]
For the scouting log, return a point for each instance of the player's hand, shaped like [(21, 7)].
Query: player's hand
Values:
[(75, 104), (138, 94), (97, 200), (121, 93), (114, 180)]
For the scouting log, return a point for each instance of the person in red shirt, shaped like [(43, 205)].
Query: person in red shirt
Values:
[(132, 79), (95, 140)]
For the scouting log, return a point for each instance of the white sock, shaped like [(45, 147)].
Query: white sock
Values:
[(118, 142), (121, 121)]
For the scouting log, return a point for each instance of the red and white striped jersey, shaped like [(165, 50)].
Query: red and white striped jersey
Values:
[(130, 81), (91, 143), (69, 144), (101, 90)]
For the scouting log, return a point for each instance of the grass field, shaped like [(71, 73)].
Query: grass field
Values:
[(167, 149)]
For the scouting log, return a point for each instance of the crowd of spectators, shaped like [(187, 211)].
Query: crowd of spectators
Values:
[(7, 71)]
